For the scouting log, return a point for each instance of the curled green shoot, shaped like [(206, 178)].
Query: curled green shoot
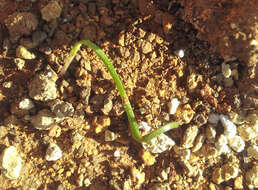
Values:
[(128, 108)]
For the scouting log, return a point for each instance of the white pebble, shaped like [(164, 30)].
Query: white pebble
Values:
[(230, 128), (117, 154), (109, 136), (226, 71), (26, 104), (11, 163), (53, 152), (173, 105), (213, 118), (144, 126), (222, 144), (180, 53), (236, 143)]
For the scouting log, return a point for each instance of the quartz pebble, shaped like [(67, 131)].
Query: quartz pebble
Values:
[(110, 136), (26, 104), (222, 144), (226, 71), (173, 105), (43, 120), (53, 152), (251, 177), (189, 136), (11, 163), (51, 11), (23, 53), (230, 129), (158, 144), (236, 143)]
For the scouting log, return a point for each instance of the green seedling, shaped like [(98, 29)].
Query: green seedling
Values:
[(128, 108)]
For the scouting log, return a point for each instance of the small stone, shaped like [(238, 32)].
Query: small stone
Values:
[(110, 136), (173, 105), (198, 142), (137, 175), (236, 143), (180, 53), (51, 11), (184, 114), (20, 24), (146, 47), (108, 104), (101, 123), (160, 186), (217, 176), (213, 118), (11, 163), (42, 88), (209, 151), (43, 120), (26, 104), (61, 109), (54, 131), (246, 132), (3, 131), (251, 177), (226, 71), (117, 154), (224, 173), (121, 39), (147, 158), (252, 151), (210, 134), (238, 183), (184, 154), (23, 53), (222, 144), (230, 129), (189, 136), (19, 63), (53, 152)]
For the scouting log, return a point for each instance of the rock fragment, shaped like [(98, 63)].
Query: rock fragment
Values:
[(53, 152), (213, 118), (147, 158), (189, 136), (42, 88), (224, 173), (26, 104), (199, 140), (43, 120), (23, 53), (61, 109), (251, 177), (222, 144), (173, 105), (210, 134), (226, 71), (230, 129), (20, 24), (11, 163), (51, 11), (246, 132), (110, 136), (252, 151), (236, 143)]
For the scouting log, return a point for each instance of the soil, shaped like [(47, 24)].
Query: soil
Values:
[(143, 39)]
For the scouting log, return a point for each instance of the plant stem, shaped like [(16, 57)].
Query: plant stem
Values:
[(128, 108)]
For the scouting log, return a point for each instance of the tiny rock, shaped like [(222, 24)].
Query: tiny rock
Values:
[(61, 109), (11, 163), (189, 136), (42, 88), (184, 154), (23, 53), (110, 136), (226, 71), (238, 183), (184, 114), (252, 151), (147, 158), (236, 143), (173, 105), (251, 177), (53, 152), (3, 131), (225, 173), (43, 120), (230, 129), (26, 104), (210, 134), (20, 63), (51, 11), (213, 118), (146, 47), (137, 175), (222, 144), (198, 142), (246, 132)]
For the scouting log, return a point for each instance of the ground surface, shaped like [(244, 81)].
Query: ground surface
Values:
[(145, 40)]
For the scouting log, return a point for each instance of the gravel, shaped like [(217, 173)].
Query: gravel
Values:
[(53, 152), (43, 120), (51, 11)]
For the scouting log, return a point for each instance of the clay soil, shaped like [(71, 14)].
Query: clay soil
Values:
[(142, 38)]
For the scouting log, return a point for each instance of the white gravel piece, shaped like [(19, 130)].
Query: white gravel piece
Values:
[(109, 136), (213, 118), (189, 136), (180, 53), (11, 163), (53, 152), (23, 53), (158, 144), (236, 143), (61, 109), (173, 105), (117, 154), (43, 120), (230, 129), (226, 71), (26, 104), (222, 144)]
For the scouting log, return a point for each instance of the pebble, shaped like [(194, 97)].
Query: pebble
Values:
[(42, 88), (137, 175), (184, 114), (117, 154), (147, 158), (19, 63), (246, 132), (23, 53), (61, 109), (53, 152), (236, 143), (20, 23), (198, 142), (251, 177), (110, 136), (11, 163), (145, 47), (189, 136), (226, 172), (213, 118), (101, 123), (26, 104), (180, 53), (158, 144), (51, 11), (160, 186), (3, 131), (238, 182), (222, 144), (210, 134), (108, 104), (54, 131), (252, 151), (184, 154), (43, 120), (226, 71), (173, 105), (230, 128)]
